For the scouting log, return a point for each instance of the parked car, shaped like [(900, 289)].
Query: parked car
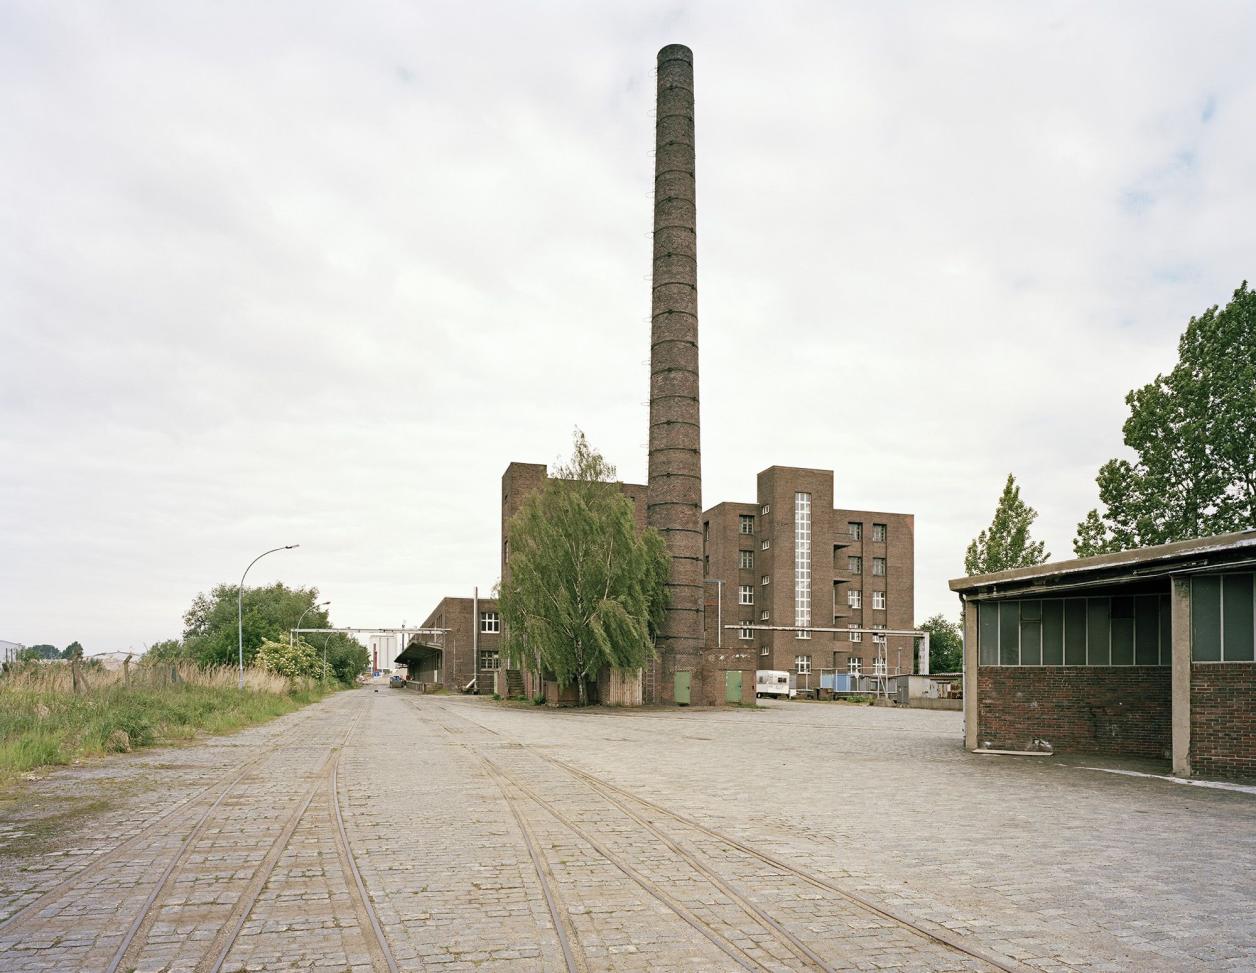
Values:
[(396, 682)]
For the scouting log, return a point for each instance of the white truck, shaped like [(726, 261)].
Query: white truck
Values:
[(773, 682)]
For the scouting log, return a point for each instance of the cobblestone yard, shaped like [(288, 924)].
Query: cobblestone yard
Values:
[(382, 830)]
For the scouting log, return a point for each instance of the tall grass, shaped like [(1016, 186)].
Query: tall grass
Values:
[(43, 721)]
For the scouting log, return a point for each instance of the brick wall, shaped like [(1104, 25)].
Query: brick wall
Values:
[(1223, 719), (1119, 710)]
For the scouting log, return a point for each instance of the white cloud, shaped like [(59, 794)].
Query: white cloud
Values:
[(281, 273)]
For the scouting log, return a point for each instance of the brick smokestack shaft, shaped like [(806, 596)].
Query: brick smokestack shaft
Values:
[(674, 488)]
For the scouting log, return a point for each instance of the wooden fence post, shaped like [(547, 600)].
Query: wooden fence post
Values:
[(76, 676)]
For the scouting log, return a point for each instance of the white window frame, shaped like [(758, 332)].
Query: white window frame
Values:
[(854, 598), (745, 594), (802, 665), (802, 565), (879, 533), (745, 560), (490, 623), (766, 580), (878, 666), (765, 650), (745, 523), (765, 509), (855, 529), (490, 660), (878, 600), (877, 639), (745, 633), (763, 615), (855, 667), (853, 635), (764, 544)]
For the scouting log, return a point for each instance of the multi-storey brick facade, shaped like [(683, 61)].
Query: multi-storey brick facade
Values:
[(470, 649), (793, 559)]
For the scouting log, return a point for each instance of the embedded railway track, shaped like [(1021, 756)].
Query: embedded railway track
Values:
[(624, 800), (97, 864), (127, 954)]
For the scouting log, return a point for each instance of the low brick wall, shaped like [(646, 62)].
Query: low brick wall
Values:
[(1117, 710), (1223, 719)]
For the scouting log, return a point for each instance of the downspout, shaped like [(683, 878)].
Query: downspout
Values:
[(475, 636)]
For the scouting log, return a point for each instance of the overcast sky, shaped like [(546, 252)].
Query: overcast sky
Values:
[(298, 273)]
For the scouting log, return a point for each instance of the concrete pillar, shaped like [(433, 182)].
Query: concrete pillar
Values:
[(1180, 622), (674, 485), (970, 675)]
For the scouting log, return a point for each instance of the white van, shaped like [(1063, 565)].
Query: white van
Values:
[(771, 682)]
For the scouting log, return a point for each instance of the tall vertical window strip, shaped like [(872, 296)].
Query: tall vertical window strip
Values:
[(802, 563)]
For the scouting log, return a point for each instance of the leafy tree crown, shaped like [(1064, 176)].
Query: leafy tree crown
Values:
[(1006, 543)]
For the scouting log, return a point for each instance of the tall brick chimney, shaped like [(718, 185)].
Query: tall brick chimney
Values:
[(674, 488)]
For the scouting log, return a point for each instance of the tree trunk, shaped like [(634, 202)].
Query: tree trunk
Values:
[(126, 671), (584, 690)]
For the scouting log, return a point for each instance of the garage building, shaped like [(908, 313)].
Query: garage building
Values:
[(1145, 653)]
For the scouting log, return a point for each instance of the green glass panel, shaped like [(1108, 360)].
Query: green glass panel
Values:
[(1122, 641), (1031, 642), (1075, 632), (1031, 611), (988, 634), (1147, 630), (1166, 631), (1236, 617), (1098, 625), (1053, 633), (1009, 636), (1206, 619)]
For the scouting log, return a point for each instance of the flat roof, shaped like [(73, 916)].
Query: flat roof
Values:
[(1139, 563)]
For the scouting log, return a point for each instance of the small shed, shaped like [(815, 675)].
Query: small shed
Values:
[(1148, 653)]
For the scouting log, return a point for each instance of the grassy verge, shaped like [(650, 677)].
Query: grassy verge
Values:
[(44, 722)]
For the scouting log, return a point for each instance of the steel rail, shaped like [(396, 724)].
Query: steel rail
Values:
[(651, 888), (1004, 964), (60, 888)]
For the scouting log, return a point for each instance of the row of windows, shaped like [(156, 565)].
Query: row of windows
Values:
[(1223, 618), (802, 666), (856, 531), (1118, 631), (802, 564), (854, 598), (854, 565)]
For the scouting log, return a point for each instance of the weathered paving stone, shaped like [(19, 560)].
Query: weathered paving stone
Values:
[(1053, 866)]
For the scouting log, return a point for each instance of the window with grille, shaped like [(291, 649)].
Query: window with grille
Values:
[(878, 532), (746, 560), (856, 530), (490, 660), (854, 564)]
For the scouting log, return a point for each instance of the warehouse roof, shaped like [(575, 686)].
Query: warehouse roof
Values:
[(1142, 563)]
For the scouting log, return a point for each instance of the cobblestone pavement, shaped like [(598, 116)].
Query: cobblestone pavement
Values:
[(381, 830)]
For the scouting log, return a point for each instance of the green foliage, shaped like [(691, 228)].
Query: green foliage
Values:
[(946, 645), (1194, 432), (210, 637), (73, 651), (1006, 543), (32, 652), (296, 661), (168, 650), (585, 589)]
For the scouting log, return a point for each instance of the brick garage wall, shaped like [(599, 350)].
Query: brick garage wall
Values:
[(1223, 719), (1120, 710)]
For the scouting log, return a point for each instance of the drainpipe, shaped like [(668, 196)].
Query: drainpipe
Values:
[(475, 636)]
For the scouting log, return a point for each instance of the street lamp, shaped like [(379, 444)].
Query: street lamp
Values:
[(319, 604), (240, 602)]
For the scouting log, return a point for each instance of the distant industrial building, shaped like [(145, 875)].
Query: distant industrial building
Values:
[(459, 648), (1148, 653), (793, 560)]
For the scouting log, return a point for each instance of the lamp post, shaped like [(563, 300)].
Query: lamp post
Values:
[(240, 602), (318, 604)]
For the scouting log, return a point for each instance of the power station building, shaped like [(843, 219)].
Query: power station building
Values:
[(791, 560)]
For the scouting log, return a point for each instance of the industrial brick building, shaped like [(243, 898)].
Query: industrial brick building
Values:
[(1148, 653), (466, 656), (792, 559)]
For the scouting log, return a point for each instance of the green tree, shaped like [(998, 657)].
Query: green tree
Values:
[(585, 590), (209, 634), (72, 651), (1194, 433), (42, 651), (946, 646), (167, 650), (296, 661), (1006, 543)]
